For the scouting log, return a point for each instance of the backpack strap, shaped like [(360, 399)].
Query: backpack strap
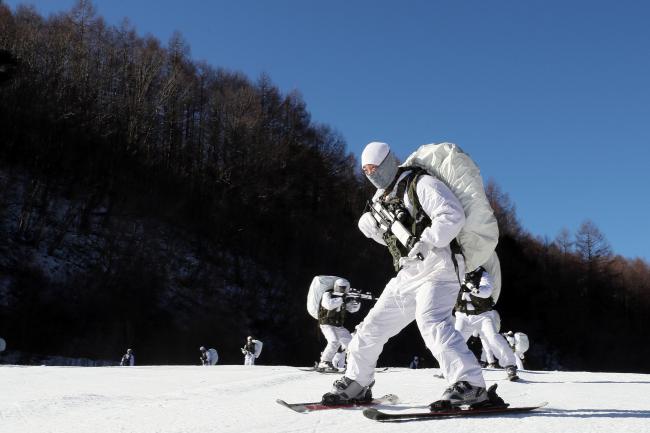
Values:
[(421, 215)]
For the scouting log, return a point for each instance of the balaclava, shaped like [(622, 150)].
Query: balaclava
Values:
[(379, 154)]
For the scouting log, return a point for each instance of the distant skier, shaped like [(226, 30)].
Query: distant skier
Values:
[(415, 363), (331, 315), (251, 350), (208, 357), (475, 313), (128, 360), (519, 343)]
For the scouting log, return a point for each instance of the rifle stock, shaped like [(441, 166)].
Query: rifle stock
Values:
[(389, 222)]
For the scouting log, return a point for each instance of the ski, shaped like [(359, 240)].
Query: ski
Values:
[(317, 405), (378, 370), (377, 415), (317, 370), (510, 378), (328, 372)]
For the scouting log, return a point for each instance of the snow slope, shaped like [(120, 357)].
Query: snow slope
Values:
[(233, 398)]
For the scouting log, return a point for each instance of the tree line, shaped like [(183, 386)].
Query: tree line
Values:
[(153, 201)]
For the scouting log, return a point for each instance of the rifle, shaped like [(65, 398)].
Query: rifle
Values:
[(356, 294), (468, 287), (391, 222)]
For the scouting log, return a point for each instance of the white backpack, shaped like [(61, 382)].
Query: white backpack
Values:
[(480, 234), (258, 348), (521, 342), (319, 285), (493, 267), (213, 357)]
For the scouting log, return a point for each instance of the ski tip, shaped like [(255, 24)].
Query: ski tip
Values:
[(373, 414), (296, 408)]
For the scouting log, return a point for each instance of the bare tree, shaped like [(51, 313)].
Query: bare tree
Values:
[(591, 244), (563, 242)]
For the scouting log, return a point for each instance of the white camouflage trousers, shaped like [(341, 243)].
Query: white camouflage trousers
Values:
[(425, 292), (336, 336), (485, 325)]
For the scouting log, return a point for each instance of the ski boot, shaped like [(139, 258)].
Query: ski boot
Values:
[(346, 391), (511, 371), (459, 394), (326, 367), (464, 394), (493, 365)]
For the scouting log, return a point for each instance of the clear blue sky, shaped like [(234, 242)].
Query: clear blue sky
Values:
[(551, 98)]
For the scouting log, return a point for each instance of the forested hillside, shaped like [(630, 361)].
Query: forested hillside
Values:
[(152, 201)]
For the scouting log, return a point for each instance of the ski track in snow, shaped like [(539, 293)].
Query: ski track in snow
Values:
[(240, 399)]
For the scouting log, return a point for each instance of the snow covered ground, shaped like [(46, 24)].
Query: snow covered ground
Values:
[(233, 398)]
